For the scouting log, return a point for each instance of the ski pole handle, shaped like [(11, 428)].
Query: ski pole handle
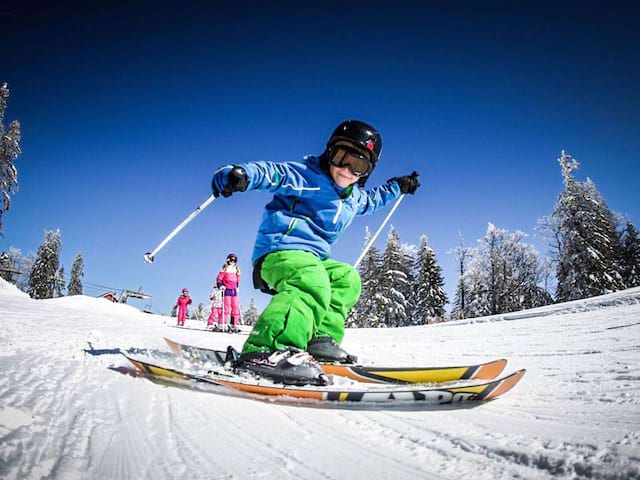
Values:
[(373, 239), (149, 256)]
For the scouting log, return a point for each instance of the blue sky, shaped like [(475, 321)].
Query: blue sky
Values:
[(127, 111)]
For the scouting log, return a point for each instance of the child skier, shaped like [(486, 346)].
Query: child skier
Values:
[(314, 202), (229, 278), (184, 300), (216, 319)]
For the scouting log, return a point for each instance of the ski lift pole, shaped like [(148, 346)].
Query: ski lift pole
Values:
[(149, 256), (373, 239)]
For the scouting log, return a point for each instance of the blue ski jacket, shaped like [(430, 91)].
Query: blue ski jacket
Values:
[(308, 211)]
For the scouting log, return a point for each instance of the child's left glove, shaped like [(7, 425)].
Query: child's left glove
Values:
[(225, 182), (408, 183)]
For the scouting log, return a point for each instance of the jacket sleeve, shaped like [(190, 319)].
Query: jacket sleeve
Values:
[(220, 279), (290, 178), (371, 201)]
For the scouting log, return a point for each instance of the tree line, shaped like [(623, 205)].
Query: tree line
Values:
[(593, 251), (41, 275)]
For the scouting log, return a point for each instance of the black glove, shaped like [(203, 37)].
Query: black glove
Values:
[(225, 184), (408, 183)]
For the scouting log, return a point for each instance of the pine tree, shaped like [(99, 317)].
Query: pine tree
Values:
[(9, 151), (430, 297), (630, 256), (43, 278), (410, 255), (252, 314), (588, 241), (394, 282), (366, 313), (77, 272)]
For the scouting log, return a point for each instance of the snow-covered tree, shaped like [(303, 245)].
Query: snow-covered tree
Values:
[(58, 291), (463, 255), (394, 282), (43, 277), (8, 269), (77, 272), (24, 265), (410, 254), (199, 313), (430, 297), (630, 256), (503, 275), (367, 312), (251, 315), (587, 240), (9, 151)]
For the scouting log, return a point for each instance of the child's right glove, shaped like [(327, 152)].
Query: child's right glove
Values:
[(226, 181), (408, 183)]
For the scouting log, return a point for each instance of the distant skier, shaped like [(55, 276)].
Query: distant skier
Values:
[(184, 300), (229, 278), (216, 318), (314, 201)]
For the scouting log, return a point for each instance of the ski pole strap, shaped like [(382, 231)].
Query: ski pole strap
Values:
[(373, 239)]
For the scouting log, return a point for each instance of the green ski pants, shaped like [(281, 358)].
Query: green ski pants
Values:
[(313, 299)]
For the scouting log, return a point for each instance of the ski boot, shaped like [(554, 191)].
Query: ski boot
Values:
[(290, 366), (325, 349)]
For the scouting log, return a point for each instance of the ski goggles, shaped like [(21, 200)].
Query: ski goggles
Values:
[(345, 156)]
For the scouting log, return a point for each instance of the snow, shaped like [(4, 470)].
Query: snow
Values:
[(68, 415)]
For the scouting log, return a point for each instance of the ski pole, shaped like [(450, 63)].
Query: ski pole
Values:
[(373, 239), (149, 256)]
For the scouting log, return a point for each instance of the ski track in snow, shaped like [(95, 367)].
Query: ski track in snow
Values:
[(68, 415)]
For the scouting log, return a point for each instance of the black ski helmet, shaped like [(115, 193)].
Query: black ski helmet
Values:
[(360, 134)]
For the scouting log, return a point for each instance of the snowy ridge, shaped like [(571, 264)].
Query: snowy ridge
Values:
[(67, 415), (8, 289), (631, 296)]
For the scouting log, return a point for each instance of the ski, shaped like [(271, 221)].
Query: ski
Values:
[(368, 373), (351, 392)]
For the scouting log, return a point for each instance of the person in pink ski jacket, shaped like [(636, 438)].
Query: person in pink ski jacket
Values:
[(215, 318), (182, 303), (229, 277)]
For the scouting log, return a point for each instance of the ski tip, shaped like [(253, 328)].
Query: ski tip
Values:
[(505, 384), (148, 258), (490, 370), (174, 346)]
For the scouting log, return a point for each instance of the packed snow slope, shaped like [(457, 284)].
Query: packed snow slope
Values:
[(67, 415)]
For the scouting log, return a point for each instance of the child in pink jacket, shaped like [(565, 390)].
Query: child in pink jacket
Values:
[(182, 303), (217, 298), (229, 277)]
